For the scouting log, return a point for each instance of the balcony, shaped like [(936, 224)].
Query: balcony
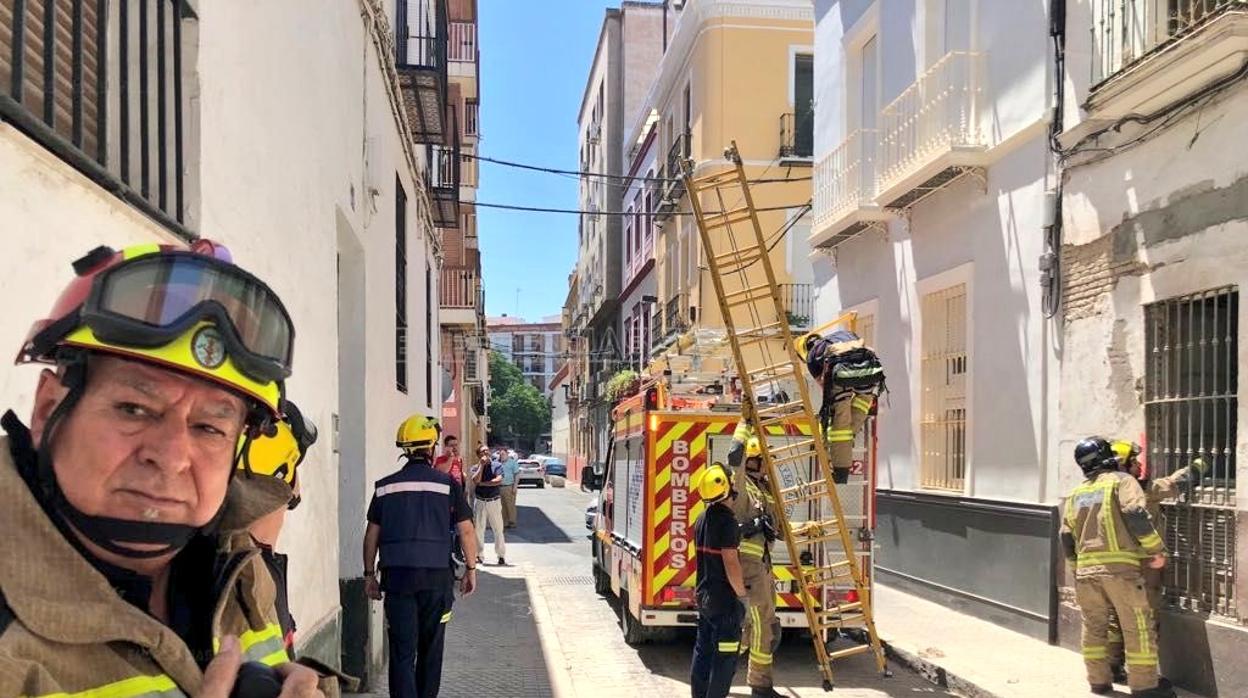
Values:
[(657, 336), (845, 189), (797, 137), (108, 93), (459, 296), (799, 304), (421, 40), (931, 134), (1147, 54), (673, 169), (443, 176)]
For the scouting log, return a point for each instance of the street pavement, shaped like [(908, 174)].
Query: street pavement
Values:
[(536, 628)]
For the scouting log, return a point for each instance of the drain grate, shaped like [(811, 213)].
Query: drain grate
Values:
[(566, 580)]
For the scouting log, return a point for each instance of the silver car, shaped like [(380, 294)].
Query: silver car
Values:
[(532, 472)]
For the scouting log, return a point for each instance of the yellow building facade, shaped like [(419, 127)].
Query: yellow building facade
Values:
[(733, 71)]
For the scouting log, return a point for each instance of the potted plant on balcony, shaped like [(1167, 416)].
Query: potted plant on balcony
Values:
[(796, 320), (622, 384)]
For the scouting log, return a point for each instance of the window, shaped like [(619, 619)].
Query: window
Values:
[(803, 105), (1128, 30), (400, 286), (944, 366), (637, 222), (429, 334), (629, 226), (1191, 380), (100, 84)]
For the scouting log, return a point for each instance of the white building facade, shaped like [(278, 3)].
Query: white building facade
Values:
[(1154, 255), (229, 141), (932, 167)]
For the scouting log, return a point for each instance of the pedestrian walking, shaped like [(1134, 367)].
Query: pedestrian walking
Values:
[(720, 589), (116, 503), (753, 508), (488, 507), (509, 488), (1106, 534), (412, 518)]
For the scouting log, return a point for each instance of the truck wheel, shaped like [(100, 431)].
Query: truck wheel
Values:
[(602, 583), (634, 632)]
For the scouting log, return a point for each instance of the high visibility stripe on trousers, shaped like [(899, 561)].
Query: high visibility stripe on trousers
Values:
[(757, 655), (729, 647), (1096, 652), (839, 435), (863, 404), (446, 617)]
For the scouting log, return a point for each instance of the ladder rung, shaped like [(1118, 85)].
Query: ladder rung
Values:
[(818, 540), (777, 462), (841, 610), (822, 575), (715, 180), (818, 488), (783, 408), (725, 219), (746, 296), (757, 334), (738, 259), (850, 651), (793, 446), (841, 621), (780, 419), (780, 369)]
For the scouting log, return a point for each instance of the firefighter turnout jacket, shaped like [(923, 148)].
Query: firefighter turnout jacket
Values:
[(1107, 529), (64, 630)]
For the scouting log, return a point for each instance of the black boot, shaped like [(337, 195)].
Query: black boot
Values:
[(768, 692), (1120, 673), (1157, 692), (1101, 689)]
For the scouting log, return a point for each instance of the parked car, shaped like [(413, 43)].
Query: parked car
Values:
[(591, 510), (555, 467), (532, 472)]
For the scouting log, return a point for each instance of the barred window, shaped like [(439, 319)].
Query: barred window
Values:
[(943, 421), (400, 286), (1190, 405)]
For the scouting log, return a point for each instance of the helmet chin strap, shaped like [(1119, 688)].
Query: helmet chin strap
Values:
[(117, 536)]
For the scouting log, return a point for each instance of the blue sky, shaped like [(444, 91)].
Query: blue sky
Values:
[(534, 61)]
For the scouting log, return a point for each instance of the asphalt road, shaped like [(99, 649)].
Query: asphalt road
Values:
[(536, 628)]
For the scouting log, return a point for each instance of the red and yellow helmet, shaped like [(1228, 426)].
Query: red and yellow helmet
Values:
[(189, 310)]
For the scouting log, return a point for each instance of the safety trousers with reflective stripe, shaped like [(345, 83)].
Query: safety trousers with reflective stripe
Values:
[(760, 621), (1125, 595), (715, 653)]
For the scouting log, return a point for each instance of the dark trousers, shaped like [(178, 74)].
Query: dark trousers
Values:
[(416, 630), (715, 653)]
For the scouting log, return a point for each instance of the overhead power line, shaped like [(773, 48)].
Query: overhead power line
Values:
[(541, 209), (605, 175)]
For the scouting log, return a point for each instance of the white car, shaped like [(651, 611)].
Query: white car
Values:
[(531, 471)]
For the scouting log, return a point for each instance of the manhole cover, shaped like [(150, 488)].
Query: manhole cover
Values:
[(567, 580)]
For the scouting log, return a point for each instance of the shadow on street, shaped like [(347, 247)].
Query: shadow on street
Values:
[(532, 526)]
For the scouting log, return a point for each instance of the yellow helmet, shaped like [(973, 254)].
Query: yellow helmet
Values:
[(753, 449), (1124, 451), (417, 433), (280, 453), (187, 310), (715, 484), (802, 344)]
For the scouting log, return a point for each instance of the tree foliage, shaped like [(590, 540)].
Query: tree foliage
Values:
[(519, 413)]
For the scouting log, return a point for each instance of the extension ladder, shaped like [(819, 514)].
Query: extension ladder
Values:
[(755, 319)]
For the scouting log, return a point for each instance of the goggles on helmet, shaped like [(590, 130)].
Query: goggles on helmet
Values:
[(151, 300)]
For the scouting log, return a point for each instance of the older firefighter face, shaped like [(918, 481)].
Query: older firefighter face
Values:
[(142, 444)]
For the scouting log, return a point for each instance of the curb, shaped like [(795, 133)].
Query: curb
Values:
[(937, 674), (559, 675)]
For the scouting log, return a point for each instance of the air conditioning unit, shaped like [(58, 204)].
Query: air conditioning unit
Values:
[(472, 375)]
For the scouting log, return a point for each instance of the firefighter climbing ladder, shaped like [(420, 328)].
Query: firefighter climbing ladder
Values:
[(754, 319)]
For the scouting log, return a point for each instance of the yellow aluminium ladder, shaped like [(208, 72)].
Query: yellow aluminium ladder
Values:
[(755, 319)]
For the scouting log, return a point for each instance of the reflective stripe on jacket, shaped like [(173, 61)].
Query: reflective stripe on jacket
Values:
[(71, 634), (1106, 528)]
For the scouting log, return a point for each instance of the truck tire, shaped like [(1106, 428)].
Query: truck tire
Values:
[(634, 632), (602, 582)]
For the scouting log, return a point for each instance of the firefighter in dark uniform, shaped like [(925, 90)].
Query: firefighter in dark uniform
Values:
[(720, 588), (412, 519)]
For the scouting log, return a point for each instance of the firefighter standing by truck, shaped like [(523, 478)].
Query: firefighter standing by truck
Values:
[(1107, 534), (753, 508)]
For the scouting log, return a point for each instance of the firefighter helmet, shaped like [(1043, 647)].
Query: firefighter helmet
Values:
[(753, 448), (715, 484), (418, 433), (1095, 453)]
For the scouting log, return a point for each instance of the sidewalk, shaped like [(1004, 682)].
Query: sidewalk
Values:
[(975, 658)]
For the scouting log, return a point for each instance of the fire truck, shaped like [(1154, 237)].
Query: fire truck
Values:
[(643, 549)]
